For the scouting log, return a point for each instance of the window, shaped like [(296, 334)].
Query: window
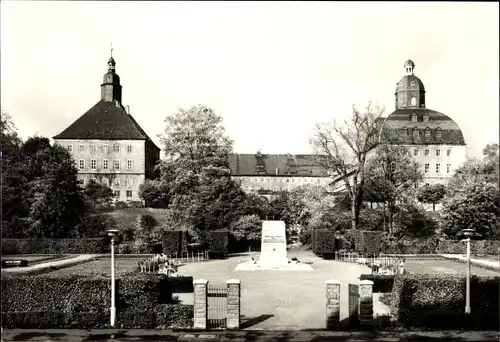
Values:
[(414, 118), (116, 148), (130, 181), (81, 148), (129, 148), (416, 133), (448, 152), (116, 193), (93, 164), (438, 153), (104, 148), (412, 83), (427, 184), (70, 148), (92, 148), (105, 181), (129, 194), (439, 133), (413, 101), (438, 168), (426, 168), (448, 168), (117, 182), (105, 164), (81, 181), (426, 152), (116, 164), (404, 131), (82, 164), (415, 152), (425, 118), (427, 133), (129, 164)]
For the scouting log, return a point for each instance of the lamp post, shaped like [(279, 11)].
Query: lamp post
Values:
[(112, 233), (468, 233)]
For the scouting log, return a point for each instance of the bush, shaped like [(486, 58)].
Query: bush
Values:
[(371, 219), (305, 236), (172, 242), (148, 222), (367, 242), (218, 243), (73, 301), (58, 246), (433, 301), (325, 242), (381, 283)]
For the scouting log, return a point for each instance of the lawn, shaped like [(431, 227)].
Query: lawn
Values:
[(34, 259), (102, 266), (441, 266)]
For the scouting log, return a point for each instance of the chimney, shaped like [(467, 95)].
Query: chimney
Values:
[(127, 107)]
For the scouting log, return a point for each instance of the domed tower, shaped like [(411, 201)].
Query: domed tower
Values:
[(410, 91), (111, 90)]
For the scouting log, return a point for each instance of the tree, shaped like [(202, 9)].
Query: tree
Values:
[(492, 162), (97, 194), (155, 193), (431, 194), (392, 176), (471, 201), (248, 227), (345, 147)]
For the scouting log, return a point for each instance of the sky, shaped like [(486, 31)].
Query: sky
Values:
[(270, 69)]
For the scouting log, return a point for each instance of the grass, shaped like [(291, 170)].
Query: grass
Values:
[(102, 266), (444, 266), (38, 259)]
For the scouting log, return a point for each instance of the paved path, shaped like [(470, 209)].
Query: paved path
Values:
[(55, 263), (104, 335), (477, 262)]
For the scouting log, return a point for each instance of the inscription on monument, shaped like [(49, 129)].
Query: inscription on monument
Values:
[(273, 247)]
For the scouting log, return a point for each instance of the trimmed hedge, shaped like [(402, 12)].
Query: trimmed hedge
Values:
[(162, 316), (367, 242), (66, 301), (438, 302), (218, 244), (172, 242), (381, 283), (434, 246), (324, 241), (58, 246)]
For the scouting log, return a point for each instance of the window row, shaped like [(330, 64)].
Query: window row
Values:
[(105, 181), (427, 132), (438, 168), (416, 152), (103, 148), (105, 164), (269, 188), (281, 179), (128, 193)]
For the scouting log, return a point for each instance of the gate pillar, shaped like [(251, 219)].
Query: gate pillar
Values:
[(332, 304), (233, 304), (366, 303), (200, 304)]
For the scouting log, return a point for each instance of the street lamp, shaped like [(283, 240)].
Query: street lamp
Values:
[(468, 233), (112, 233)]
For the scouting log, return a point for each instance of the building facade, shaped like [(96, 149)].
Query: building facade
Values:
[(108, 145), (269, 174), (433, 138)]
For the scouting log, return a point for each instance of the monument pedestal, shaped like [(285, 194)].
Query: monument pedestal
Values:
[(273, 254)]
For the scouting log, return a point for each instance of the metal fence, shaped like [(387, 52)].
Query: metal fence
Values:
[(384, 264), (217, 306), (189, 257)]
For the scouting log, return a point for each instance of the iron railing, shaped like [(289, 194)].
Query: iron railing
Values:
[(217, 306)]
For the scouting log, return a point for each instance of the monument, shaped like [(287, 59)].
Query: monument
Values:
[(273, 254)]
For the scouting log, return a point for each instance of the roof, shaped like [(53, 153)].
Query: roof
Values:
[(105, 121), (287, 164), (405, 84), (401, 118)]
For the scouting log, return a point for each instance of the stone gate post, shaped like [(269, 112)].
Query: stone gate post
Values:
[(366, 303), (332, 304), (233, 303), (200, 304)]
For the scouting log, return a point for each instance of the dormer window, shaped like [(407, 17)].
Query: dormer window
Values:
[(427, 133), (416, 133), (439, 133), (414, 117), (426, 117), (404, 131)]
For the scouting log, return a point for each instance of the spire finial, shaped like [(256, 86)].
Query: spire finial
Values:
[(111, 49)]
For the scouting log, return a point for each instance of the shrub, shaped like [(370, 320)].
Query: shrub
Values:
[(218, 243), (433, 301), (381, 283), (325, 242), (367, 242), (124, 248), (77, 301), (172, 242), (371, 219), (148, 222), (305, 236), (120, 205), (58, 246)]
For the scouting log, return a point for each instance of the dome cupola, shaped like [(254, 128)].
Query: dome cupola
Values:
[(410, 91)]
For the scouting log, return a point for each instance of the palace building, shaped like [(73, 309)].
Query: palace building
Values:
[(269, 174), (108, 145), (433, 138)]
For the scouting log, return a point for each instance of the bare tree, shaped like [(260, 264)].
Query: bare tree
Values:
[(342, 149)]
